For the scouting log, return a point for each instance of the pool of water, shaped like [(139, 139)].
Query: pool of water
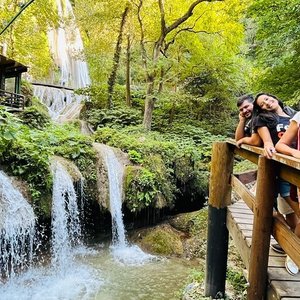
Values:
[(100, 272)]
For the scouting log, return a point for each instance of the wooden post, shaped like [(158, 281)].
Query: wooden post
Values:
[(262, 226), (217, 238)]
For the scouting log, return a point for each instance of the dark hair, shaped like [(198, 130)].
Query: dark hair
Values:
[(256, 106), (270, 117), (244, 98)]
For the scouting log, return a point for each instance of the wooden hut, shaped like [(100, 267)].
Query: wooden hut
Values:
[(10, 83)]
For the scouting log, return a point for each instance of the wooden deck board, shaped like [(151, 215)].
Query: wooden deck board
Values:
[(282, 285)]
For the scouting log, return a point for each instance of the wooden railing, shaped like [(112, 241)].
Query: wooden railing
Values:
[(12, 100), (222, 181)]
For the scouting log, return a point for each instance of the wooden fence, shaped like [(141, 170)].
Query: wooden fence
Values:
[(11, 100), (222, 181)]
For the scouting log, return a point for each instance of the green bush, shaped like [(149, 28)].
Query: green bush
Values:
[(34, 117), (177, 159)]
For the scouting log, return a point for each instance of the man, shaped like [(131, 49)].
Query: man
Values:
[(244, 130)]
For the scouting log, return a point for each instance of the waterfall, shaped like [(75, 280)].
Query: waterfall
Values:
[(72, 72), (67, 276), (115, 172), (17, 225), (122, 251), (66, 229)]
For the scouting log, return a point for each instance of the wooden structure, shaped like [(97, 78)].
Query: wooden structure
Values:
[(251, 224), (10, 83)]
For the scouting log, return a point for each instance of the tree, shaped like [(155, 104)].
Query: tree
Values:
[(26, 38), (170, 42), (167, 37), (116, 59), (276, 47)]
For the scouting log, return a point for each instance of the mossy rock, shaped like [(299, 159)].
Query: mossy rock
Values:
[(162, 240), (191, 223)]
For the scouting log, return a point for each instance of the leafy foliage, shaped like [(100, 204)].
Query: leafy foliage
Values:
[(171, 163), (116, 118), (26, 152), (34, 117), (276, 47)]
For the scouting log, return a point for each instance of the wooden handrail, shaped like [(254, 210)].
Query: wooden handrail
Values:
[(286, 167), (12, 100)]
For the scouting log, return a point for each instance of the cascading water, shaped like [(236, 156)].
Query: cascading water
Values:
[(17, 225), (72, 72), (66, 277), (122, 251), (115, 172), (66, 229)]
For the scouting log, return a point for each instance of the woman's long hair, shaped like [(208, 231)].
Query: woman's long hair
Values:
[(271, 118)]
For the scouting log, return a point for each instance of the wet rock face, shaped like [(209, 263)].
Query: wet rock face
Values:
[(102, 173), (182, 235), (70, 167)]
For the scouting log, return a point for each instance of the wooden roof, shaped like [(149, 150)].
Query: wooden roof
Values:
[(10, 67)]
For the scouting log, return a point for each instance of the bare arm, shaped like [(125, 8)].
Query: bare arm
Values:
[(239, 132), (284, 144), (269, 148), (253, 140)]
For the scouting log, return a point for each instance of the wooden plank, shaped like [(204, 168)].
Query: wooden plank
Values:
[(242, 215), (238, 239), (239, 203), (247, 233), (243, 221), (281, 274), (286, 289), (243, 192), (281, 158), (245, 153), (276, 261), (287, 240), (241, 210), (245, 226)]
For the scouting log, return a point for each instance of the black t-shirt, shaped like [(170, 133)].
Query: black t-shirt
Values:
[(276, 131), (248, 129)]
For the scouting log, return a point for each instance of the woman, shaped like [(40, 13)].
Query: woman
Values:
[(271, 120), (290, 138)]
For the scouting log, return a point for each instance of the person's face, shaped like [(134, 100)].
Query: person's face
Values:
[(246, 109), (268, 103)]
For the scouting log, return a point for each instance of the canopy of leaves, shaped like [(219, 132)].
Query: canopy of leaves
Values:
[(26, 38), (277, 46)]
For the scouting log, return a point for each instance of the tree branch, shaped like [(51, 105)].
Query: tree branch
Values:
[(187, 15)]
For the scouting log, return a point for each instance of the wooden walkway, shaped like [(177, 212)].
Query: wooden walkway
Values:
[(250, 222), (281, 285)]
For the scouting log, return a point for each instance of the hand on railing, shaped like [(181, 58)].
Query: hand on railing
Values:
[(269, 149)]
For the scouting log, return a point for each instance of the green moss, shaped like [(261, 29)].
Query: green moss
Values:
[(163, 241)]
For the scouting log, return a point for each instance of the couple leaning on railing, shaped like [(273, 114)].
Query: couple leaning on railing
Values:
[(266, 121)]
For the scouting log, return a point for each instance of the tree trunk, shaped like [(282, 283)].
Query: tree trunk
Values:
[(161, 79), (128, 95), (149, 104), (112, 78)]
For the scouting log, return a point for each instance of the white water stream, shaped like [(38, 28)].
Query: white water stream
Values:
[(122, 251), (72, 71), (64, 275), (17, 228)]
